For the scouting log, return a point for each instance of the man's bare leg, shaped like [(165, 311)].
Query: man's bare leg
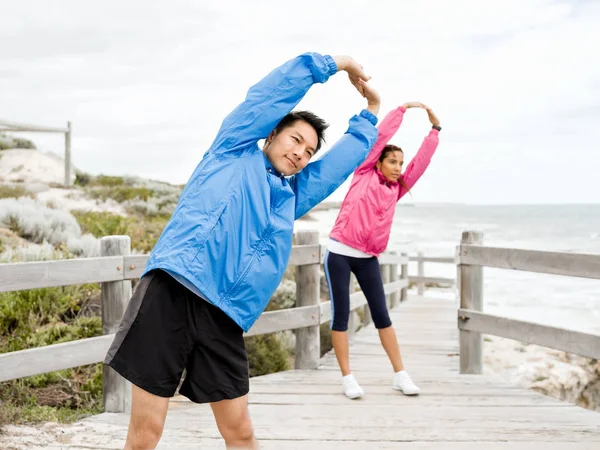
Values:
[(148, 414), (233, 421)]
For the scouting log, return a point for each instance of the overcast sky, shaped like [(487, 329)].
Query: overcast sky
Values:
[(516, 83)]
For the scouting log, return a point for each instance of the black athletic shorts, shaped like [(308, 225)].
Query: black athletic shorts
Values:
[(167, 328)]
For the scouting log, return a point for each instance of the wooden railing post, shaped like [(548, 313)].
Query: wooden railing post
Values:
[(68, 155), (115, 296), (404, 276), (394, 296), (384, 269), (308, 339), (420, 273), (471, 297)]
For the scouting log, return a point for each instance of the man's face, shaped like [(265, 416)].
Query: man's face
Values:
[(290, 150)]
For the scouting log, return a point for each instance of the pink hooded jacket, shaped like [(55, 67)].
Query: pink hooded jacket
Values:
[(367, 213)]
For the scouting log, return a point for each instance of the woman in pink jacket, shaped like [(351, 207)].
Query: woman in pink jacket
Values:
[(361, 234)]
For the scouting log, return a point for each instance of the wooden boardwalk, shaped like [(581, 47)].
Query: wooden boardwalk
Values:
[(307, 410)]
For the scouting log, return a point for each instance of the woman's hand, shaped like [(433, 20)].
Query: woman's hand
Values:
[(413, 105), (432, 117), (372, 96)]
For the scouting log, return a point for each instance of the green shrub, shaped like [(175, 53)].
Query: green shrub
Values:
[(63, 396), (14, 192), (23, 143), (101, 224), (40, 317), (57, 314), (8, 142), (143, 231), (120, 194), (82, 179), (266, 354), (106, 180)]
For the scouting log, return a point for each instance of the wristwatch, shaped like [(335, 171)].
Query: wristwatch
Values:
[(437, 127)]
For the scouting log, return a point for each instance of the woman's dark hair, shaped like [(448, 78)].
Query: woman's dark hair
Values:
[(386, 151)]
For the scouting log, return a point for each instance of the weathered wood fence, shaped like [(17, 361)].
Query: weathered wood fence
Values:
[(471, 257), (115, 269), (14, 127)]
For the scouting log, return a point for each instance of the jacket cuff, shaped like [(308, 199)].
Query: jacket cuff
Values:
[(369, 116), (331, 65)]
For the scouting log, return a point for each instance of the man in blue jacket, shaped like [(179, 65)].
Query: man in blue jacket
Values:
[(226, 247)]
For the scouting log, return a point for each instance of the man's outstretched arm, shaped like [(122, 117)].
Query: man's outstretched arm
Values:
[(321, 178), (268, 101)]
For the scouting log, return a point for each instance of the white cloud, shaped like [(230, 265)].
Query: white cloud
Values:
[(146, 84)]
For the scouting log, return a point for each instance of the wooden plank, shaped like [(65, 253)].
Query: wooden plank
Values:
[(34, 361), (380, 395), (17, 126), (556, 263), (300, 255), (437, 280), (384, 258), (285, 319), (375, 423), (87, 351), (304, 253), (306, 409), (583, 344), (134, 266), (434, 259), (392, 258), (33, 275)]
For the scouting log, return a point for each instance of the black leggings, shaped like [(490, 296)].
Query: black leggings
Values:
[(366, 270)]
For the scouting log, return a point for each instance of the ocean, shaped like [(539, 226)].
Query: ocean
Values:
[(567, 302)]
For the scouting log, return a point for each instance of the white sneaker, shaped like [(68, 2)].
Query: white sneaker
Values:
[(351, 387), (402, 382)]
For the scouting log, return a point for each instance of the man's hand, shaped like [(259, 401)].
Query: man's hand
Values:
[(359, 79), (372, 96), (432, 117), (354, 70)]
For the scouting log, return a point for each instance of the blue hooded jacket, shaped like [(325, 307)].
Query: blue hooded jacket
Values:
[(230, 236)]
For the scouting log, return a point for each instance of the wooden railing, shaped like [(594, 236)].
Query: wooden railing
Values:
[(117, 267), (421, 280), (471, 257), (13, 127)]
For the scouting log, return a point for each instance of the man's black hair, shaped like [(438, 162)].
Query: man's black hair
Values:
[(312, 119)]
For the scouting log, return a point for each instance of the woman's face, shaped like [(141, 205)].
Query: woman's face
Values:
[(391, 166)]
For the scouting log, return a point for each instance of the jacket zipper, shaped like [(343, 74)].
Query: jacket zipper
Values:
[(259, 248)]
